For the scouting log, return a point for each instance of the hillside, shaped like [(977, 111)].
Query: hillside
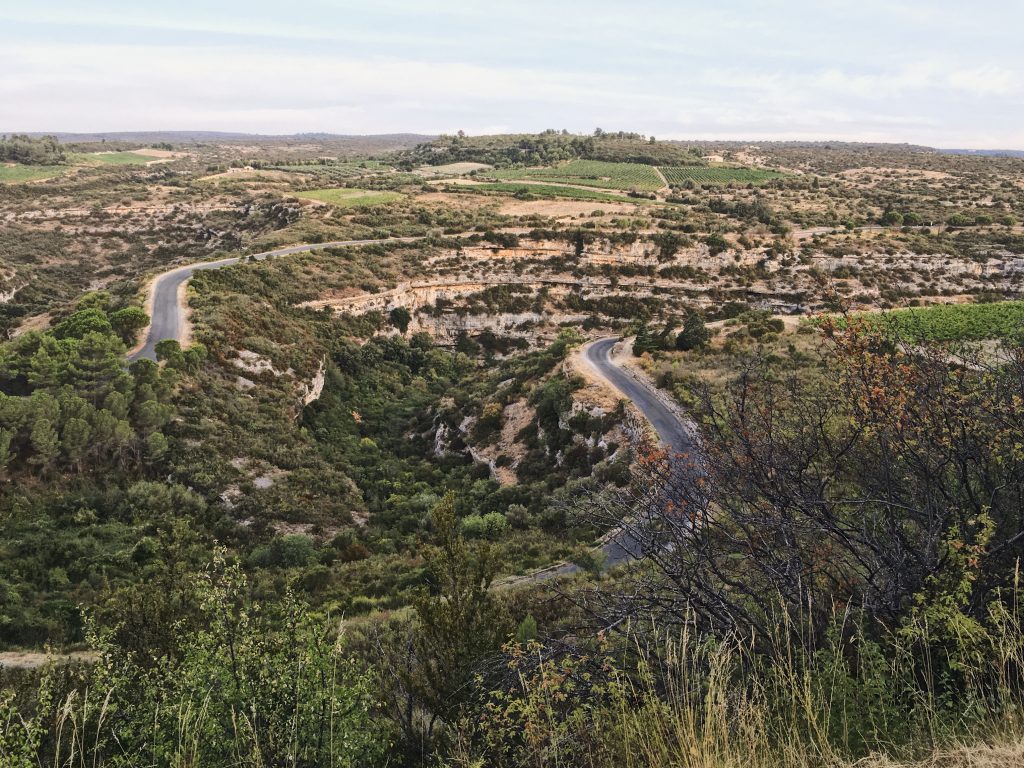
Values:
[(374, 502)]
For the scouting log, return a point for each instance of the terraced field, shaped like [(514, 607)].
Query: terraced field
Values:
[(592, 173), (718, 175)]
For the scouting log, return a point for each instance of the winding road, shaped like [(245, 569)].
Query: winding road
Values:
[(677, 434), (169, 321), (166, 305)]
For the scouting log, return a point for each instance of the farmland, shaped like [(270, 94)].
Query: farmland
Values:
[(539, 190), (593, 173), (719, 175), (113, 158), (12, 174), (953, 322), (334, 170), (349, 198)]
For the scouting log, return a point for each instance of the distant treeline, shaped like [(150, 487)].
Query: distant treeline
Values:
[(19, 148), (550, 147)]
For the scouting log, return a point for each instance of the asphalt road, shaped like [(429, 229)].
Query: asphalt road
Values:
[(168, 321), (677, 435)]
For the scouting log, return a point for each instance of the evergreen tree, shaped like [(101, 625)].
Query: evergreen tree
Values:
[(45, 443), (75, 440), (458, 621), (694, 334), (644, 341)]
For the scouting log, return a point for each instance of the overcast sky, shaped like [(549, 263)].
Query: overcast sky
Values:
[(940, 72)]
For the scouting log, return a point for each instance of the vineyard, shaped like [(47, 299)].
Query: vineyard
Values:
[(335, 171), (953, 322), (593, 173), (719, 175)]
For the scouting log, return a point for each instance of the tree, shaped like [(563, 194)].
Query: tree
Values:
[(694, 334), (458, 623), (83, 322), (169, 350), (716, 243), (75, 440), (668, 245), (892, 218), (45, 443), (128, 322), (644, 341), (400, 317), (6, 454), (855, 489)]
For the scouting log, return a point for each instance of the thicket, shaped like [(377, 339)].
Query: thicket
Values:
[(20, 148)]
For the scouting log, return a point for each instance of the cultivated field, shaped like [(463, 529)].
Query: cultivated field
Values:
[(349, 198), (593, 173), (528, 191), (953, 322), (719, 175), (11, 174)]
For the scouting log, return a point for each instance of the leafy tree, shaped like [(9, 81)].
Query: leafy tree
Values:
[(668, 245), (400, 317), (21, 148), (892, 218), (717, 243), (241, 686)]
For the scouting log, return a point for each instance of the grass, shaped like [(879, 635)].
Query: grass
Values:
[(593, 173), (14, 174), (350, 198), (722, 705), (541, 190), (952, 322), (719, 175), (112, 158)]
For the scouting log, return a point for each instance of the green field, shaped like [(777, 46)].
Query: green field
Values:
[(112, 158), (952, 322), (12, 174), (592, 173), (350, 198), (542, 190), (719, 175)]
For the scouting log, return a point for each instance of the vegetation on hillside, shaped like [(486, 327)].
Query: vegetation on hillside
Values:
[(26, 150), (327, 530)]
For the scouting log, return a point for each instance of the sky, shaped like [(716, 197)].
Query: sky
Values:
[(937, 72)]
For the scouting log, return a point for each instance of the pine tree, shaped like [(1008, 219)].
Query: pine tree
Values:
[(694, 334), (45, 443)]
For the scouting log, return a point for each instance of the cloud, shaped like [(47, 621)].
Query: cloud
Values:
[(698, 71), (986, 80)]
